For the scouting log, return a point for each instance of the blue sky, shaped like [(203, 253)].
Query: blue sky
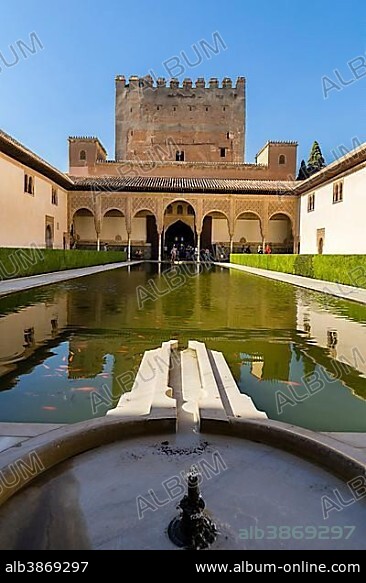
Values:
[(283, 48)]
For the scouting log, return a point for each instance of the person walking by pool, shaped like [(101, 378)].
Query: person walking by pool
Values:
[(206, 255), (190, 253), (182, 252), (173, 254)]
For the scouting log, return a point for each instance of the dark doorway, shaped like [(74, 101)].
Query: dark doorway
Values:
[(152, 235), (206, 235), (49, 237), (179, 233), (320, 246)]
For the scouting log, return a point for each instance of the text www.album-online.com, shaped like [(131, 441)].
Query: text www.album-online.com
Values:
[(302, 567)]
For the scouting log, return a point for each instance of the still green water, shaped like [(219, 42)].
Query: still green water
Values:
[(67, 351)]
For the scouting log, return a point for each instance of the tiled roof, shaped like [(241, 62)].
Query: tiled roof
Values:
[(208, 185), (16, 150), (156, 163)]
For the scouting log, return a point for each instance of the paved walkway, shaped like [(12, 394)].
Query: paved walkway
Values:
[(10, 286), (346, 292)]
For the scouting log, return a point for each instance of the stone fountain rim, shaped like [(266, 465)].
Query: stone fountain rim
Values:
[(62, 443)]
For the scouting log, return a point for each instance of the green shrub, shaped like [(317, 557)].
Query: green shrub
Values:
[(18, 262), (303, 265), (343, 269)]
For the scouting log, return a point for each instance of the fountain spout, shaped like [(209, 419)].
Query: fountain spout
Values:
[(193, 529)]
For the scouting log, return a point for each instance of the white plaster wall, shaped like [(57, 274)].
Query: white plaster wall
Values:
[(138, 229), (23, 215), (279, 230), (220, 231), (263, 157), (344, 222), (113, 226), (249, 229), (85, 228)]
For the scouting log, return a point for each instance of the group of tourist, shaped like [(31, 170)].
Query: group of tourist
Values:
[(183, 253), (188, 253), (267, 249), (246, 249), (138, 254)]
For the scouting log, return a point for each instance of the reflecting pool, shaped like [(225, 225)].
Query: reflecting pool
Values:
[(69, 350)]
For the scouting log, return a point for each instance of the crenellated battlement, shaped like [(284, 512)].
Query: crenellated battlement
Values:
[(134, 82), (85, 151), (203, 118), (84, 138), (90, 139)]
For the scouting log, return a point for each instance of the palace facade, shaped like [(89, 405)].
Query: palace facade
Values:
[(178, 176)]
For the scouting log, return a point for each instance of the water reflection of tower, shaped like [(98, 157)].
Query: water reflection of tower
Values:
[(256, 362), (268, 360)]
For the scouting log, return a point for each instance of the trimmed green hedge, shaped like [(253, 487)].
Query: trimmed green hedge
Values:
[(18, 262), (344, 269)]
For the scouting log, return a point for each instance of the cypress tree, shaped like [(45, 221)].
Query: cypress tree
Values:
[(316, 161), (303, 171)]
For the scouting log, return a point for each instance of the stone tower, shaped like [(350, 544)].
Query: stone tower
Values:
[(163, 122)]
